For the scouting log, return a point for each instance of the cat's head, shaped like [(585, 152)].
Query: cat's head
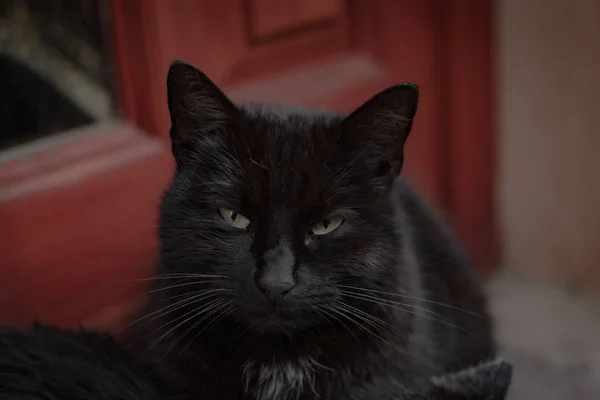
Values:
[(281, 214)]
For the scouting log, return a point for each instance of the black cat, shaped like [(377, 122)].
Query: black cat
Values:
[(293, 263)]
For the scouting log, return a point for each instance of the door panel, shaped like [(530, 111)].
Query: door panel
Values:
[(269, 18)]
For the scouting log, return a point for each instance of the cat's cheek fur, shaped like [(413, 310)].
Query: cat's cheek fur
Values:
[(193, 253)]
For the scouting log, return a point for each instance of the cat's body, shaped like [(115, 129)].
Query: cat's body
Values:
[(314, 269)]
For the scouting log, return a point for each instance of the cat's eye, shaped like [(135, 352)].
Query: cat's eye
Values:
[(326, 226), (234, 218)]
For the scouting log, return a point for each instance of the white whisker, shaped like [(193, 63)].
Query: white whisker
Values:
[(412, 298)]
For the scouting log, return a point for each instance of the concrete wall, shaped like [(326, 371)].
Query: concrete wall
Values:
[(549, 139)]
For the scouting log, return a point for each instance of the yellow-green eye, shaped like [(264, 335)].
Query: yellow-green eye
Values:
[(234, 218), (326, 226)]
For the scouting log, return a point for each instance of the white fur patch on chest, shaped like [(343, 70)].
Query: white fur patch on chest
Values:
[(281, 380)]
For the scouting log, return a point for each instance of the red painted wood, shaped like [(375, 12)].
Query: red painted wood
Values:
[(268, 19), (136, 49), (470, 124), (63, 247)]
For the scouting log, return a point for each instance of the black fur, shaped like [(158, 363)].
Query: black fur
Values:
[(486, 381), (43, 363), (387, 295)]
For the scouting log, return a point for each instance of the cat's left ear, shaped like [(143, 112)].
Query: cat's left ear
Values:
[(384, 122)]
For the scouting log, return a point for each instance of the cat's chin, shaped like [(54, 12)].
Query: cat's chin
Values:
[(277, 322), (271, 325)]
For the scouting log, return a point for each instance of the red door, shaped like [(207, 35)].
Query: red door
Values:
[(84, 217)]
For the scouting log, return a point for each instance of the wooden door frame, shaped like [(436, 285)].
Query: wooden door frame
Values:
[(88, 168)]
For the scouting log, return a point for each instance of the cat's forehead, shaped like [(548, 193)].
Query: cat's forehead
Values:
[(276, 136), (278, 125), (274, 152), (286, 112), (280, 150)]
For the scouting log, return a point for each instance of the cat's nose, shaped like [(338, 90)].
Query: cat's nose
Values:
[(275, 273), (275, 289)]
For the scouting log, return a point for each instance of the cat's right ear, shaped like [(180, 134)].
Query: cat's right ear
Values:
[(383, 124), (197, 107)]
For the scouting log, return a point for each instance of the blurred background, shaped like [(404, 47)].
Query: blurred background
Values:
[(504, 143)]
